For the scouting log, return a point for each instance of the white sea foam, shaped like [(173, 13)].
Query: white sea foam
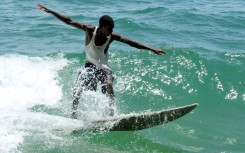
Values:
[(25, 82)]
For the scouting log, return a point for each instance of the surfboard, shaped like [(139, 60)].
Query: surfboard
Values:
[(135, 122)]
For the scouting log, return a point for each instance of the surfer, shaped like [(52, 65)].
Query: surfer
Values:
[(96, 67)]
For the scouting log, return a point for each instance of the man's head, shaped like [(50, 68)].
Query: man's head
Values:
[(107, 23)]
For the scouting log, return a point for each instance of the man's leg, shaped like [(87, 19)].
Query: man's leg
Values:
[(85, 81), (110, 93), (107, 88), (76, 96), (75, 103)]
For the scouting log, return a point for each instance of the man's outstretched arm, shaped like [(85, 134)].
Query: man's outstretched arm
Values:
[(64, 18), (137, 44)]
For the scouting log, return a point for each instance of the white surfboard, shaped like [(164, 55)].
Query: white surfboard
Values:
[(134, 122)]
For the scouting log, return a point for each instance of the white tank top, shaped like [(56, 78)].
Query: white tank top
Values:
[(95, 54)]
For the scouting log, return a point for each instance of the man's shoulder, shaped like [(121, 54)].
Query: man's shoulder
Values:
[(115, 36), (89, 27)]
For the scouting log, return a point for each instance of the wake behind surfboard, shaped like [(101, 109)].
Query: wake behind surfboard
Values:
[(134, 122)]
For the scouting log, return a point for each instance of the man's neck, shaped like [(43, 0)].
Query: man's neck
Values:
[(100, 37)]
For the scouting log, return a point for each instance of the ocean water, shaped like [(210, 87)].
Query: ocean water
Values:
[(204, 63)]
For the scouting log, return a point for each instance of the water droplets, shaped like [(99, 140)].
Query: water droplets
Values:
[(232, 94)]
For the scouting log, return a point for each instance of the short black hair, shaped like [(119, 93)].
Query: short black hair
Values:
[(106, 20)]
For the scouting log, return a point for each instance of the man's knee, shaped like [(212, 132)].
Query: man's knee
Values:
[(107, 87), (109, 83), (110, 88)]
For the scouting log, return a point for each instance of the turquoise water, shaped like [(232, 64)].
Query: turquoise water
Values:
[(205, 64)]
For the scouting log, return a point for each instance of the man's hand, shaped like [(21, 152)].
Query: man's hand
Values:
[(158, 51), (43, 8)]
